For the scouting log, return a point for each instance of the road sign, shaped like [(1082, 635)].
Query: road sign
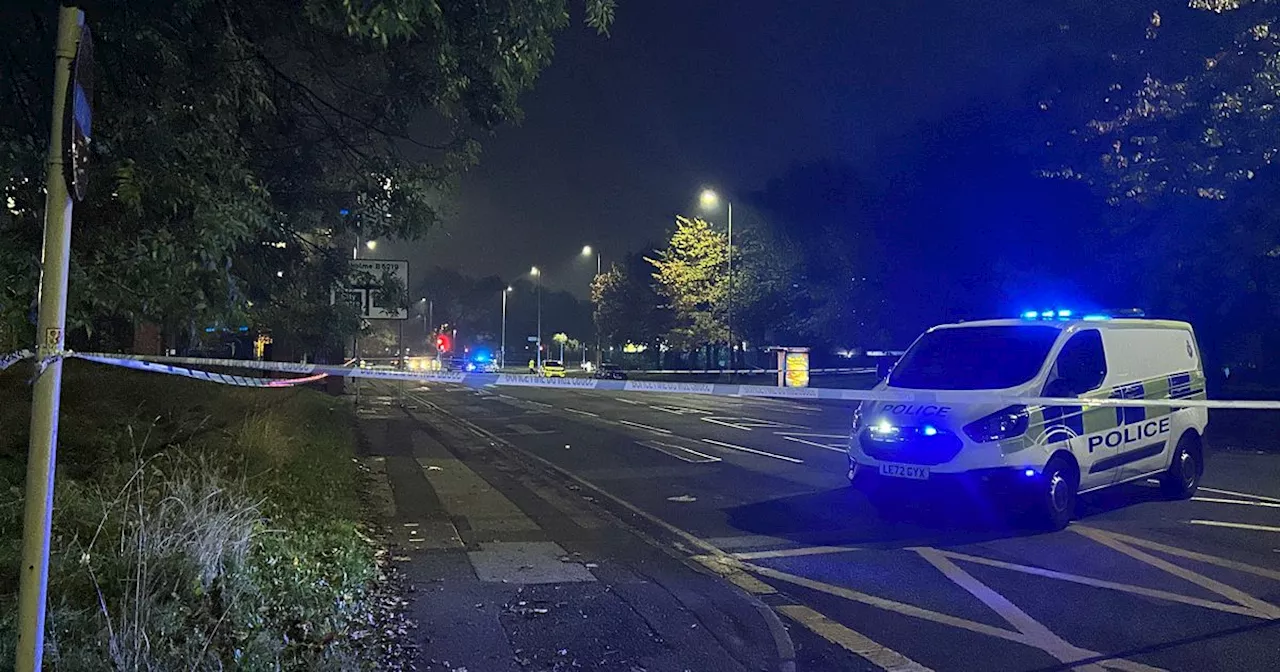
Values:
[(366, 288), (78, 121), (533, 339)]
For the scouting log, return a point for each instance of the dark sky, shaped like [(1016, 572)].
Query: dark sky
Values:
[(621, 132)]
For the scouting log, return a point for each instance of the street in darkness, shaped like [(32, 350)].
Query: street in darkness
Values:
[(755, 490)]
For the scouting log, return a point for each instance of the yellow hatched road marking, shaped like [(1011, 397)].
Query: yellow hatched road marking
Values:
[(854, 642), (792, 552)]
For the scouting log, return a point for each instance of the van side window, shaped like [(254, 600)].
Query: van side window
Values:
[(1082, 364)]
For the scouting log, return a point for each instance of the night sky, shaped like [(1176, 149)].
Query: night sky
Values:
[(621, 132)]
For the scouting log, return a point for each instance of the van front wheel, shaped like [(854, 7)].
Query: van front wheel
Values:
[(1056, 497), (1183, 476)]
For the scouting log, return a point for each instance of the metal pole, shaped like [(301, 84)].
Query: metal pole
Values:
[(598, 360), (538, 280), (502, 351), (46, 395), (729, 320)]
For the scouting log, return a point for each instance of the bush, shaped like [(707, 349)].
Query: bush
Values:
[(196, 527)]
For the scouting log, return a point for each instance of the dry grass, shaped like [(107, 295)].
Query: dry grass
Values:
[(196, 527)]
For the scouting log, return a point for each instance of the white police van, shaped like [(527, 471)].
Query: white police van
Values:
[(1039, 458)]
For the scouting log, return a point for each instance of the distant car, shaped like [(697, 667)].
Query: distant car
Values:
[(610, 372), (553, 368), (487, 366)]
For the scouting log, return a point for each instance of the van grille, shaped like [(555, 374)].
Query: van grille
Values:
[(911, 446)]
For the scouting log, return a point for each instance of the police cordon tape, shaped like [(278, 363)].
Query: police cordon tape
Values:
[(314, 372), (13, 358)]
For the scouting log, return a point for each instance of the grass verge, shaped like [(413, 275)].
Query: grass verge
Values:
[(195, 527)]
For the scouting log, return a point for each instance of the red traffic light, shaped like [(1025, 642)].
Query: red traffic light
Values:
[(443, 343)]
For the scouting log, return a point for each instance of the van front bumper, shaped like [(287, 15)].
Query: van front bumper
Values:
[(998, 481)]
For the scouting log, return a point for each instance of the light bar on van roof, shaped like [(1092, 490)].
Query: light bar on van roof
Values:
[(1062, 314)]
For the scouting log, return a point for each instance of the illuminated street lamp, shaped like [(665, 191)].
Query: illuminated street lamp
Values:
[(502, 351), (537, 278), (371, 244), (710, 199), (587, 251)]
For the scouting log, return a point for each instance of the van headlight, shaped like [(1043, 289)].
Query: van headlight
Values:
[(1005, 423)]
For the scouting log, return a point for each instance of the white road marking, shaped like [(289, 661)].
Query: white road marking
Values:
[(814, 435), (747, 424), (1234, 594), (586, 413), (823, 446), (662, 447), (644, 426), (537, 403), (1192, 555), (1040, 636), (854, 642), (633, 402), (793, 552), (679, 410), (1245, 502), (753, 451), (1237, 526), (1099, 583), (1241, 494)]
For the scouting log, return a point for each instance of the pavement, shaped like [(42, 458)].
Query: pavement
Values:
[(511, 569), (754, 490)]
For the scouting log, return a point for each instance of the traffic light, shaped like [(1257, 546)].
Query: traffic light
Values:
[(443, 343)]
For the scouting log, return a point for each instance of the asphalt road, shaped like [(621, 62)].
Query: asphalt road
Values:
[(757, 487)]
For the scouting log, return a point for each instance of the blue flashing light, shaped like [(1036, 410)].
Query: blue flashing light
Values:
[(344, 212), (1029, 473), (210, 330), (1064, 313), (481, 356), (1047, 313), (1096, 318), (930, 430), (1030, 315), (244, 328)]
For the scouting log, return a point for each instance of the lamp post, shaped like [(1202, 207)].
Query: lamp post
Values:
[(537, 279), (709, 200), (587, 252), (502, 350)]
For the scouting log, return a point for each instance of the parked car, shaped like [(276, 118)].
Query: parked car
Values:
[(609, 371), (553, 368)]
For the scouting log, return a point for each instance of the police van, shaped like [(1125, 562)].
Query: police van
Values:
[(963, 426)]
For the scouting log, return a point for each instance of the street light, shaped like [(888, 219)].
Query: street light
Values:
[(502, 351), (371, 244), (537, 278), (587, 251), (710, 199)]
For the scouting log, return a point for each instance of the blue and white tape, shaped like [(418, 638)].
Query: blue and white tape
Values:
[(12, 358), (481, 380)]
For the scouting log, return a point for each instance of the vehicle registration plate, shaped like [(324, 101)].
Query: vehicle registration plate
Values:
[(911, 471)]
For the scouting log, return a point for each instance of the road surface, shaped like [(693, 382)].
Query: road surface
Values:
[(756, 489)]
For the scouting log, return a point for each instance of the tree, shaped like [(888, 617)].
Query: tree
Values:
[(237, 140), (561, 339), (627, 306), (692, 274), (1195, 110)]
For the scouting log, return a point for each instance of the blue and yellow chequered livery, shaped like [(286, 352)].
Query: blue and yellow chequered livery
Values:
[(1050, 424)]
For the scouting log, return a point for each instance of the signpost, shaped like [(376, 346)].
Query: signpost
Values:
[(65, 178), (365, 287)]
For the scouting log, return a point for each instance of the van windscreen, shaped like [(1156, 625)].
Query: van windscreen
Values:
[(974, 358)]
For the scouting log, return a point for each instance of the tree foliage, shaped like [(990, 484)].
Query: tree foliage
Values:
[(238, 144), (627, 307), (692, 274)]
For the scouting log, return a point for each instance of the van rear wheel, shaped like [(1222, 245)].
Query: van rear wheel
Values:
[(1183, 476), (1055, 498)]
